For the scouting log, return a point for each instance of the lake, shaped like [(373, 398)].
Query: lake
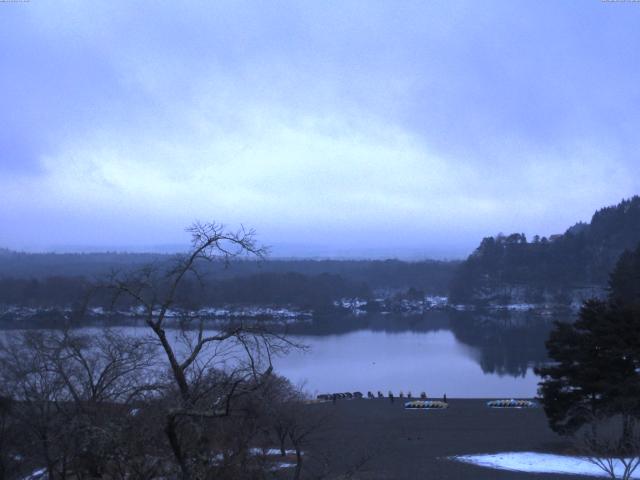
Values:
[(462, 354), (433, 362)]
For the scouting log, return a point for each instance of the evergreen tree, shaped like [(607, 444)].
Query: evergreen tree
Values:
[(596, 369), (625, 280), (582, 256)]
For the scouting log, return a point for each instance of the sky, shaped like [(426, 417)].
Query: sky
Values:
[(360, 129)]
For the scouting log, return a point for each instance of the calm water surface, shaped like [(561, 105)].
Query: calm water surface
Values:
[(434, 362), (461, 355)]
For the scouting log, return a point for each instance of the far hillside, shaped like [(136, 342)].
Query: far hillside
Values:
[(60, 280), (561, 269)]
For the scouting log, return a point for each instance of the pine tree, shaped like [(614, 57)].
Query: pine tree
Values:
[(596, 360)]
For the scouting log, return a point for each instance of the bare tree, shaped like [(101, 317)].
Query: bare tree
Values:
[(195, 357), (304, 425), (282, 401), (70, 392), (293, 420), (95, 406), (611, 443)]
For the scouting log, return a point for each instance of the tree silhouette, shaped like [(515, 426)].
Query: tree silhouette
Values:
[(595, 376)]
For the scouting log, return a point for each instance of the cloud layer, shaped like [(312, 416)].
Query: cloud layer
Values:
[(355, 126)]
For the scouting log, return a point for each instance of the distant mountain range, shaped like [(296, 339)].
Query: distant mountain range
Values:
[(511, 268)]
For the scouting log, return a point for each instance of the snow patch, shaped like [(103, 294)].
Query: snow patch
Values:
[(532, 462), (36, 474), (270, 451)]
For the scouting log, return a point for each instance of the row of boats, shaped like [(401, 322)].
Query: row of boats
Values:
[(511, 403), (507, 403), (370, 395), (424, 402)]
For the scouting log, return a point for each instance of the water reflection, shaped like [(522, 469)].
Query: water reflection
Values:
[(509, 343), (465, 354), (462, 354)]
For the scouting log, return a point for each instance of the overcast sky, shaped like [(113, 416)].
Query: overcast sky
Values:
[(341, 128)]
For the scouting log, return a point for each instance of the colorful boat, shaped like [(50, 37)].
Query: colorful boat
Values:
[(511, 403), (426, 404)]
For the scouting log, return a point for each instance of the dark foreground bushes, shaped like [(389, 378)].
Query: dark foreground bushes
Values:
[(74, 405)]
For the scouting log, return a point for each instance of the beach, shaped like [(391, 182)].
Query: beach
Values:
[(383, 440)]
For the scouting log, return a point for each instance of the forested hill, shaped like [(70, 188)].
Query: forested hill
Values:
[(433, 276), (511, 268), (55, 280)]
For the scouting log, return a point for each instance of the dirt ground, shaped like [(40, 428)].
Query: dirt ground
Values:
[(376, 439)]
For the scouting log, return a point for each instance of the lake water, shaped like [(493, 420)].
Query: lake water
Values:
[(468, 355), (433, 362)]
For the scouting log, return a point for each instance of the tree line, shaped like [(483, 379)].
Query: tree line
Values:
[(546, 267), (315, 292), (51, 280), (431, 275)]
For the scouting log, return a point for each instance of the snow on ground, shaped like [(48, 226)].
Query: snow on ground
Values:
[(270, 451), (532, 462), (36, 474)]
